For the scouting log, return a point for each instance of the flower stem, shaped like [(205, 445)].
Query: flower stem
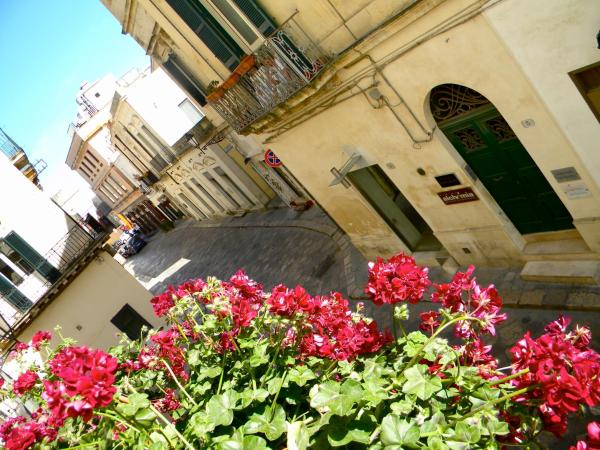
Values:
[(169, 425), (432, 338), (179, 385), (89, 444), (508, 378), (495, 402)]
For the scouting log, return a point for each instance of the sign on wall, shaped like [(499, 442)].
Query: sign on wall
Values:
[(461, 195), (271, 159)]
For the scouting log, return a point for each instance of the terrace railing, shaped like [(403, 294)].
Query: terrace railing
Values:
[(48, 271), (287, 61)]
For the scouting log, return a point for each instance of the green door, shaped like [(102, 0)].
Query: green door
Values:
[(493, 151)]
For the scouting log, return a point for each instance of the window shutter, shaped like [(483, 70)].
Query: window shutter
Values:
[(130, 322), (257, 16), (29, 254), (13, 296), (209, 31), (185, 81)]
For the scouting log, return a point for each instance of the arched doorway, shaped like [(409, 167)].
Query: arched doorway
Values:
[(490, 147)]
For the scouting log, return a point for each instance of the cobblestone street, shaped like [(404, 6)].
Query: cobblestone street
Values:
[(282, 245)]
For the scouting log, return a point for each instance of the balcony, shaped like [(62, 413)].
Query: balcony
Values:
[(47, 278), (286, 62)]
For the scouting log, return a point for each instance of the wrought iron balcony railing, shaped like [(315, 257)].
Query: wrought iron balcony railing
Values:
[(287, 61), (54, 265)]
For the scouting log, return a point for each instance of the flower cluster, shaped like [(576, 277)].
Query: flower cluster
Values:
[(19, 434), (85, 381), (396, 280), (325, 325), (560, 372), (464, 295), (25, 382)]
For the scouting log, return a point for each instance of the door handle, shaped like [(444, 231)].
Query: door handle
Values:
[(498, 178)]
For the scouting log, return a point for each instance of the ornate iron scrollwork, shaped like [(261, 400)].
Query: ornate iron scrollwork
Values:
[(501, 130), (470, 139), (452, 100)]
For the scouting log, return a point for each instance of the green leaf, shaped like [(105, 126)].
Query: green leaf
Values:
[(437, 422), (395, 431), (145, 416), (219, 409), (209, 372), (200, 424), (136, 402), (250, 395), (423, 386), (436, 443), (342, 432), (193, 358), (298, 436), (402, 407), (271, 422), (464, 432), (301, 375), (339, 399)]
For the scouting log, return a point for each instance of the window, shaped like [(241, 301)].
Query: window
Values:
[(191, 111), (33, 258), (15, 258), (209, 31), (130, 322), (587, 81), (188, 83), (10, 273)]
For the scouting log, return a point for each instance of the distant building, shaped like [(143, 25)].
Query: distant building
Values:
[(55, 272), (181, 156), (110, 175), (19, 159)]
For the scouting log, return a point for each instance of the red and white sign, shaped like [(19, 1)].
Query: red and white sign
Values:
[(271, 159)]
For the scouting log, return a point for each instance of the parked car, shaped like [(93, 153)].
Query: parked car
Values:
[(131, 242)]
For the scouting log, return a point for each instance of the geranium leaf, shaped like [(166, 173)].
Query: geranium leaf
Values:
[(298, 436), (395, 431), (301, 375), (419, 384)]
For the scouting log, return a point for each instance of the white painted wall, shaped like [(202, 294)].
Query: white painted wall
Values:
[(549, 39), (156, 98), (28, 211)]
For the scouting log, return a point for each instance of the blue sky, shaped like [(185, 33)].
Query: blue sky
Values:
[(48, 49)]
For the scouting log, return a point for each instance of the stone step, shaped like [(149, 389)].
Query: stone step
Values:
[(563, 249), (576, 271)]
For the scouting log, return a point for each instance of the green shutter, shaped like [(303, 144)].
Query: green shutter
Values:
[(257, 16), (13, 296), (185, 81), (209, 31), (29, 254)]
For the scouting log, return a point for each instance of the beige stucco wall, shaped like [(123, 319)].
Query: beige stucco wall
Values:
[(470, 54), (563, 41), (91, 301)]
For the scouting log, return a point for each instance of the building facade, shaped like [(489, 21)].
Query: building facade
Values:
[(447, 129), (54, 272), (110, 175), (165, 135), (20, 160)]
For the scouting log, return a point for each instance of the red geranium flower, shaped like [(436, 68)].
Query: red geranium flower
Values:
[(25, 382)]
